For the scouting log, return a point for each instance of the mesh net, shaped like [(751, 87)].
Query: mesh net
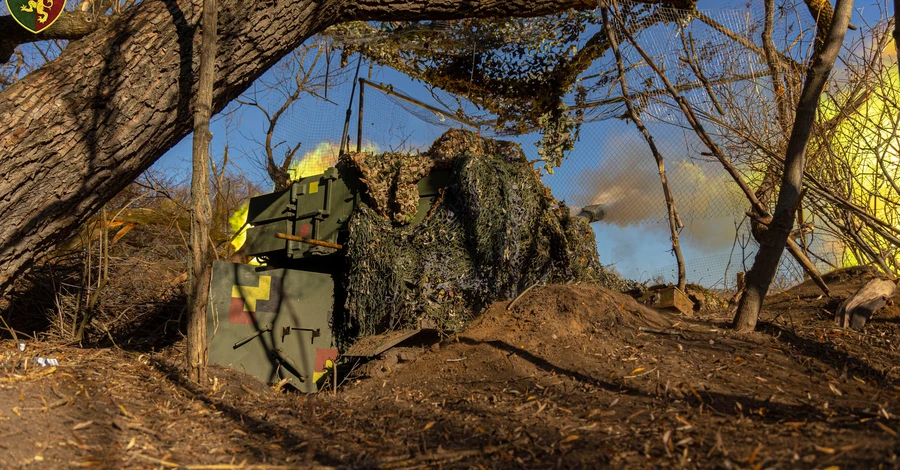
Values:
[(611, 164)]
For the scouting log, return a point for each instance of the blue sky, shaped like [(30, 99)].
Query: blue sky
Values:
[(638, 249)]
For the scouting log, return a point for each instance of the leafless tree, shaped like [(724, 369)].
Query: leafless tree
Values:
[(772, 245), (309, 71)]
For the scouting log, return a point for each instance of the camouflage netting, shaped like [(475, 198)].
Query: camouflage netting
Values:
[(495, 231)]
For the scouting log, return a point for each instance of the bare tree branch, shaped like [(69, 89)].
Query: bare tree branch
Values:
[(71, 25), (674, 221)]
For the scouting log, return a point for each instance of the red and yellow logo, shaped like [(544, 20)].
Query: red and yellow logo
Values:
[(35, 15), (247, 300)]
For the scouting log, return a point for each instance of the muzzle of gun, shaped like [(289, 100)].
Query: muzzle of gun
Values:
[(592, 213)]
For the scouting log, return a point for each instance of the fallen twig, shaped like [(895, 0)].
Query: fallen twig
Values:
[(392, 462), (123, 425), (156, 461), (61, 402), (833, 328), (663, 332), (886, 429), (528, 289)]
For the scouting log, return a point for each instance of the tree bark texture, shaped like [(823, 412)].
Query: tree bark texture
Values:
[(76, 131), (201, 212), (772, 246)]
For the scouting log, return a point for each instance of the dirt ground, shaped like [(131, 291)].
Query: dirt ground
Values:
[(569, 377)]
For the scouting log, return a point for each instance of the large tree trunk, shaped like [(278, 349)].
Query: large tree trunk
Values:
[(78, 130), (775, 238)]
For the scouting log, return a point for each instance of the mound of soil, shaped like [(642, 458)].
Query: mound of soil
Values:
[(567, 377)]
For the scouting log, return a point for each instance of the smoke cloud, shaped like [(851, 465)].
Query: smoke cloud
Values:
[(627, 183)]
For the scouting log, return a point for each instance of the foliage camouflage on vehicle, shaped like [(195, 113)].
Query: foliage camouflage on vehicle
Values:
[(495, 231)]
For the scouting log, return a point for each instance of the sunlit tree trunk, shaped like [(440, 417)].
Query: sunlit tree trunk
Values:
[(674, 221), (201, 212), (765, 265)]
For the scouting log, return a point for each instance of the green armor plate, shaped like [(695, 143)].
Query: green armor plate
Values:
[(271, 323)]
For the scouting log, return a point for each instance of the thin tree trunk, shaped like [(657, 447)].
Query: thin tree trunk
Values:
[(767, 258), (200, 209), (674, 221), (776, 70), (783, 104)]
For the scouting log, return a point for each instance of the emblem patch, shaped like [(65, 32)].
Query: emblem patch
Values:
[(247, 300), (35, 15)]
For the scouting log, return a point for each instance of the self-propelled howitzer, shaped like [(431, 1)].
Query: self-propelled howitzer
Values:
[(277, 320)]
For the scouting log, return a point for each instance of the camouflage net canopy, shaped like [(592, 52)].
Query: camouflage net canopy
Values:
[(494, 231)]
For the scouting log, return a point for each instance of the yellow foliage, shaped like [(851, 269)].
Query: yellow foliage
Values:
[(866, 145), (237, 222)]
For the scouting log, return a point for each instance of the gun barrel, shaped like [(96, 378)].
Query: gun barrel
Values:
[(592, 213)]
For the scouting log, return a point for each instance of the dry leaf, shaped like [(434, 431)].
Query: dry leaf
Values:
[(824, 450), (82, 425), (835, 389)]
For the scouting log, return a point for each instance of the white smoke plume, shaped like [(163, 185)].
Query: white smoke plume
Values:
[(627, 183)]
